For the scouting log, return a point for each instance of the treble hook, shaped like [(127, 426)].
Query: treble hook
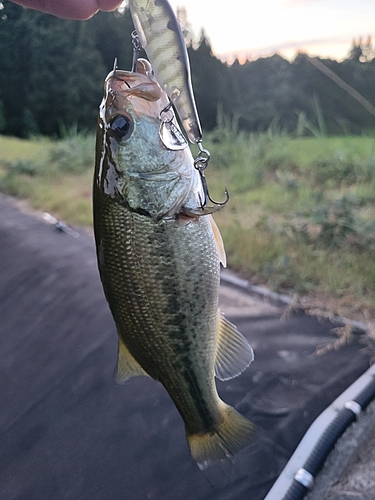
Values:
[(165, 110), (207, 194), (136, 48), (115, 68), (170, 135), (200, 163)]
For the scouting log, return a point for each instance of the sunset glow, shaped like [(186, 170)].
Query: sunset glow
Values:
[(251, 28)]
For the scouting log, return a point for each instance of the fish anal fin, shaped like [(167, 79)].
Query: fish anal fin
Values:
[(219, 242), (230, 435), (127, 366), (233, 352)]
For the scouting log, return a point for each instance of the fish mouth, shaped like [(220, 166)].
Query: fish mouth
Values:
[(135, 84), (139, 89), (140, 95)]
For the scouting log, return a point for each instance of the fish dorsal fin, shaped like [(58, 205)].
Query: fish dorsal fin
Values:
[(127, 366), (233, 352), (219, 242)]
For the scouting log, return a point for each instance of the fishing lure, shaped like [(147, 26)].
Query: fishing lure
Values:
[(160, 36), (158, 32)]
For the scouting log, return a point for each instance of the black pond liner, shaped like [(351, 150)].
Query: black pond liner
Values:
[(67, 431)]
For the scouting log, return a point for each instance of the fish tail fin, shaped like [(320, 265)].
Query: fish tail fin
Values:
[(230, 435)]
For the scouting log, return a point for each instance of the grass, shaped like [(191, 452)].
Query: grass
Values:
[(12, 148), (300, 218), (301, 213), (54, 176)]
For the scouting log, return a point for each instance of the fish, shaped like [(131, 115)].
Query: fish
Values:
[(160, 266), (160, 35)]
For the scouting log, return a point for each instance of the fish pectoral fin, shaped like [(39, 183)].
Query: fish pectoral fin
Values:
[(127, 366), (233, 352), (219, 242)]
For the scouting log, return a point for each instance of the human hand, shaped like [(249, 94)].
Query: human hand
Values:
[(70, 9)]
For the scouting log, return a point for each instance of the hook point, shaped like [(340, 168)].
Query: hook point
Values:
[(115, 68)]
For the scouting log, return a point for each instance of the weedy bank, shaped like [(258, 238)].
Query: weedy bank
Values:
[(301, 217), (53, 176)]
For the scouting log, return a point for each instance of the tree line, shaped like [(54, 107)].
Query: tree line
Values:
[(52, 73)]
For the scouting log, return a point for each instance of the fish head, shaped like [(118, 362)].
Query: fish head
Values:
[(143, 160)]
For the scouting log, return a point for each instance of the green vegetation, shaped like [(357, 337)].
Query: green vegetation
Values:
[(302, 213), (52, 73), (54, 176), (301, 216)]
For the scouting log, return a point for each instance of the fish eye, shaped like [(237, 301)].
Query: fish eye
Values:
[(121, 127)]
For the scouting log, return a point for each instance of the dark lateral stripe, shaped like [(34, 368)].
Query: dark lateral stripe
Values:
[(202, 409)]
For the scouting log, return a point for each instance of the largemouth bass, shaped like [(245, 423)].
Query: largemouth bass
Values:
[(159, 265), (160, 35)]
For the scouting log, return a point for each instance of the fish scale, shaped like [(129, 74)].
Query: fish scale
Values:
[(134, 274), (160, 268)]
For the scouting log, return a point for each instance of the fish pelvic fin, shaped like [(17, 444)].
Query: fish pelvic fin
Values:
[(233, 352), (219, 242), (127, 366), (233, 433)]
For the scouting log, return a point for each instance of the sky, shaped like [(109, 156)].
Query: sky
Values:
[(253, 28)]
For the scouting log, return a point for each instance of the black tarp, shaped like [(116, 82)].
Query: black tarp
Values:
[(69, 432)]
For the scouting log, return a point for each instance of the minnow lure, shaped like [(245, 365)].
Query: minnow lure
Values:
[(160, 35)]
